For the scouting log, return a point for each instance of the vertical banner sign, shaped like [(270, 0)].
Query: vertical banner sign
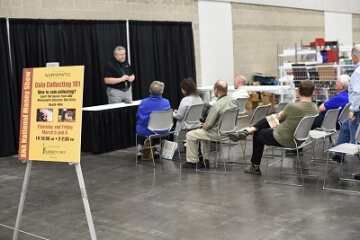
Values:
[(51, 114)]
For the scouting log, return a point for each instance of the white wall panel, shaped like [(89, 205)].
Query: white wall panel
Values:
[(216, 42)]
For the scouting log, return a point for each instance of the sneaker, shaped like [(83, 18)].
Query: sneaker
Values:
[(139, 154), (252, 169), (241, 135), (189, 165), (336, 158)]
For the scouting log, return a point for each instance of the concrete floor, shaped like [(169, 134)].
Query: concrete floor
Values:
[(133, 201)]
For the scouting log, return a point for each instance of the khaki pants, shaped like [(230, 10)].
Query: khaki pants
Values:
[(117, 96), (192, 142)]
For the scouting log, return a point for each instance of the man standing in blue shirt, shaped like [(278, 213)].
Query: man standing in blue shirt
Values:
[(350, 125), (338, 100)]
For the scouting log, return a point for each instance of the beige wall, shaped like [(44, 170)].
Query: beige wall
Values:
[(258, 30), (356, 28)]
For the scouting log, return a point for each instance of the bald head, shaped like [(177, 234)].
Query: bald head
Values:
[(220, 88), (239, 81), (355, 53)]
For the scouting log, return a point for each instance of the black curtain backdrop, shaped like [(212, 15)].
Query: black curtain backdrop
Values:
[(34, 42), (9, 103), (161, 51)]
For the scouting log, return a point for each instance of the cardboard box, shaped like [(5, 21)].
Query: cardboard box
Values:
[(254, 96), (268, 98)]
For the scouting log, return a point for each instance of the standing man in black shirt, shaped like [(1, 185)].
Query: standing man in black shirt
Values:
[(118, 77)]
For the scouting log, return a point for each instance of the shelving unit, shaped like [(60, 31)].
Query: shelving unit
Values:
[(306, 62)]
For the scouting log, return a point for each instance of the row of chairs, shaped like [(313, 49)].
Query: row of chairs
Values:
[(228, 123)]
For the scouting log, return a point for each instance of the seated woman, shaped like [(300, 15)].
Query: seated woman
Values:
[(188, 89), (282, 135), (155, 102)]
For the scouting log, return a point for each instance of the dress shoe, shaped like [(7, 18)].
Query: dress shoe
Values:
[(203, 164), (357, 176), (189, 165)]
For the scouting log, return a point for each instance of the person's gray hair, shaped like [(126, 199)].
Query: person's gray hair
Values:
[(345, 79), (157, 87), (118, 48), (356, 50)]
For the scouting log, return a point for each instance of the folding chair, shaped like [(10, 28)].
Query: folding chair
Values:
[(190, 121), (259, 113), (159, 121), (242, 106), (280, 107), (227, 124), (344, 114), (345, 148), (301, 134), (327, 128)]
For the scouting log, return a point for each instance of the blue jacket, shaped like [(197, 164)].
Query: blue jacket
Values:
[(148, 105)]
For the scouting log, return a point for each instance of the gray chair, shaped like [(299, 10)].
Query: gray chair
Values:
[(159, 121), (280, 107), (345, 148), (189, 122), (227, 124), (301, 135), (242, 106), (327, 128), (344, 114), (259, 113)]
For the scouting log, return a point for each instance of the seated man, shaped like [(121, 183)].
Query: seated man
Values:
[(282, 135), (338, 100), (155, 102), (209, 131), (240, 91)]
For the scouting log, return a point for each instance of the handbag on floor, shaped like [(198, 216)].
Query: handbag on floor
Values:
[(147, 152)]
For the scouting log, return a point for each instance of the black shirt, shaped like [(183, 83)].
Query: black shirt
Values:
[(116, 69)]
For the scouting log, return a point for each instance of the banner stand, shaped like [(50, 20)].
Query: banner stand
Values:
[(83, 194)]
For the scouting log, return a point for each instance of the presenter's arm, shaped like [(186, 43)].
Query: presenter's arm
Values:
[(112, 80), (131, 78)]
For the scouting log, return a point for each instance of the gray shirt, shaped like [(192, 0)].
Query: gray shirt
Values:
[(183, 107), (354, 89), (223, 104)]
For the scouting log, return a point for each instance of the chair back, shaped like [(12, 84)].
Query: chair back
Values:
[(191, 118), (161, 121), (344, 114), (259, 113), (228, 121), (242, 104), (330, 119), (280, 107), (303, 128), (194, 113)]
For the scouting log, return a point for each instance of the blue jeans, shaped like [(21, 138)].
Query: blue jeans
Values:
[(348, 130)]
